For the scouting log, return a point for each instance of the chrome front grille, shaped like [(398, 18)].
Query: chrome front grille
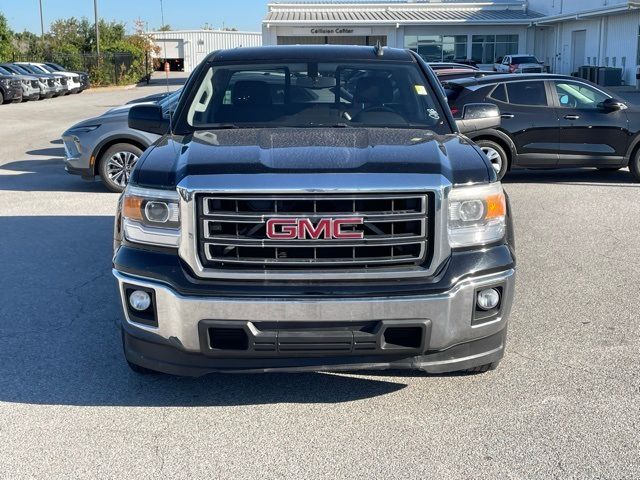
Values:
[(532, 70), (232, 231)]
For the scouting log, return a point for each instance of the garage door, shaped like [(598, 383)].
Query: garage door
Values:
[(174, 48)]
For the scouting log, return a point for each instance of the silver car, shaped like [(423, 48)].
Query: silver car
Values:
[(105, 146), (30, 85), (47, 84)]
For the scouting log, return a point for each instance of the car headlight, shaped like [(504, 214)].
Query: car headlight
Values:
[(477, 215), (82, 129), (151, 216)]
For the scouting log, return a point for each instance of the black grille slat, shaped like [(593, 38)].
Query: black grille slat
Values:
[(232, 231)]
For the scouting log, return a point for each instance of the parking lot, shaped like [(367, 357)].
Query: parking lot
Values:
[(564, 403)]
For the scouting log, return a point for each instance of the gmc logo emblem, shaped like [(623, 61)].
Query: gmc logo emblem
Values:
[(304, 228)]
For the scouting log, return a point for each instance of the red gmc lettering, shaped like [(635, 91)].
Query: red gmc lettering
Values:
[(349, 235), (304, 228), (289, 229)]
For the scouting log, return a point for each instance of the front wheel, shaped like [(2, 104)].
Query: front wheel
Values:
[(634, 166), (116, 165), (482, 368), (496, 155)]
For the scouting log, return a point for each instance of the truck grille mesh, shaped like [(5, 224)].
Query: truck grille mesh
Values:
[(232, 231)]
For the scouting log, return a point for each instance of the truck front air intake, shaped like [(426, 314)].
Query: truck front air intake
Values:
[(328, 231)]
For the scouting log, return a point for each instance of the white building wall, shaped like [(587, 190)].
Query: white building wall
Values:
[(197, 44), (557, 7), (611, 40)]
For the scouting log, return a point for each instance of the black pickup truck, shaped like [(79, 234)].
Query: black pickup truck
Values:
[(313, 208)]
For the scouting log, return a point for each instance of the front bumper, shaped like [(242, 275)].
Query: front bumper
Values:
[(77, 159), (317, 334)]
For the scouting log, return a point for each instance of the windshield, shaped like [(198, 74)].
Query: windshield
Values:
[(4, 71), (525, 60), (367, 94), (55, 66), (19, 69), (28, 69), (46, 68)]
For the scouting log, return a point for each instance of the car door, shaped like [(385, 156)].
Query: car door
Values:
[(530, 121), (589, 134)]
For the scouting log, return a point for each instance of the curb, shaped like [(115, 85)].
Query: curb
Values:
[(113, 88)]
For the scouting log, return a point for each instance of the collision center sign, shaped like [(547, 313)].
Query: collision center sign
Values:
[(326, 31)]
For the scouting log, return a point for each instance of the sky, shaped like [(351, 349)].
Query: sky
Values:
[(245, 15)]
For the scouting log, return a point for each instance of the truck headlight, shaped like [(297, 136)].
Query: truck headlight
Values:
[(151, 216), (477, 215)]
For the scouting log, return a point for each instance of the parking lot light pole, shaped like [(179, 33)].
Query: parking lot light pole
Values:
[(95, 11), (41, 21)]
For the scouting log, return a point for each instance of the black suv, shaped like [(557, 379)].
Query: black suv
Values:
[(551, 121)]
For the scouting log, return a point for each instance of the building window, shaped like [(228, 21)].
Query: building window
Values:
[(486, 48), (438, 48)]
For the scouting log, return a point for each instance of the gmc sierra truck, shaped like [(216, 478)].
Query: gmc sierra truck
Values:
[(313, 208)]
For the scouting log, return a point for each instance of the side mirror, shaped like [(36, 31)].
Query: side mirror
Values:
[(478, 116), (148, 118), (612, 105)]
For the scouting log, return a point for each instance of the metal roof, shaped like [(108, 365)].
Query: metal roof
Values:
[(372, 12)]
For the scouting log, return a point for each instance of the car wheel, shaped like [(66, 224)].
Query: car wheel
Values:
[(482, 368), (496, 155), (116, 165), (134, 366), (634, 166)]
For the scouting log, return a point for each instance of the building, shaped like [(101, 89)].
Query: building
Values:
[(564, 34), (184, 49)]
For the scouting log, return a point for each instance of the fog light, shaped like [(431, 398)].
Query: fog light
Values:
[(140, 300), (488, 299)]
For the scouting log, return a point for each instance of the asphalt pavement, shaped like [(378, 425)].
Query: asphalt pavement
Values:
[(564, 403)]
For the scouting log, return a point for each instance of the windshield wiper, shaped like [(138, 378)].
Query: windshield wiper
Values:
[(221, 126)]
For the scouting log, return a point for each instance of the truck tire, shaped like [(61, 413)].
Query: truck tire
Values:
[(634, 166), (482, 368), (141, 370), (496, 155), (116, 164), (135, 367)]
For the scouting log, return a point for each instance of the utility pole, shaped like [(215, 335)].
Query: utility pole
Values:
[(41, 21), (95, 10)]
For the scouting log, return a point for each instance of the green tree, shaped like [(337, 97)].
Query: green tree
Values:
[(165, 28), (6, 38)]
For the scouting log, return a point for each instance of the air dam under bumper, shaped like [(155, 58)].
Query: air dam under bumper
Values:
[(435, 333)]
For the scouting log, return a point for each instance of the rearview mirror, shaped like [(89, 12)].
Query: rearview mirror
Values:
[(478, 116), (612, 105), (148, 118)]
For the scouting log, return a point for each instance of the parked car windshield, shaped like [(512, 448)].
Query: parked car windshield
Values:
[(4, 71), (365, 94), (19, 69), (29, 69), (524, 60), (56, 67)]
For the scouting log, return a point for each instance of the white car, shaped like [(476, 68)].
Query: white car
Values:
[(73, 79), (519, 64)]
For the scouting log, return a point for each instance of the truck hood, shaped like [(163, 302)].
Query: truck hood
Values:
[(312, 151)]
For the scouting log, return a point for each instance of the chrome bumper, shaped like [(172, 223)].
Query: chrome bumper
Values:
[(450, 313)]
